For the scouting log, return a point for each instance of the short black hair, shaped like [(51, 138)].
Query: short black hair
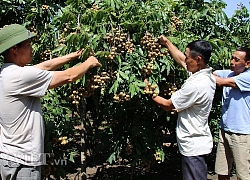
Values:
[(246, 50), (200, 48)]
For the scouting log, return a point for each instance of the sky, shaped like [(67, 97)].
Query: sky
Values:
[(232, 5)]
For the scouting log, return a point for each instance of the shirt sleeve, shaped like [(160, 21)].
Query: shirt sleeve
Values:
[(34, 81), (224, 73), (185, 97), (243, 81)]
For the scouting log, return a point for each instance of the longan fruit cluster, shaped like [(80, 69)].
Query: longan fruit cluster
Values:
[(121, 97), (66, 27), (119, 42), (94, 7), (100, 80), (95, 82), (76, 97), (129, 148), (33, 29), (147, 70), (150, 43), (151, 89), (176, 22), (65, 30), (92, 84), (61, 40), (169, 89), (158, 157), (46, 55), (45, 7), (63, 140)]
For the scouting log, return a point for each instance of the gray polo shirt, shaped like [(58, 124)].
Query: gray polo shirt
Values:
[(22, 126)]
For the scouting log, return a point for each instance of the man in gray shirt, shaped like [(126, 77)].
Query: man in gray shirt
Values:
[(21, 87)]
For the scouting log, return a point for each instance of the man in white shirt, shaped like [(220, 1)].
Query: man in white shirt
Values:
[(193, 103)]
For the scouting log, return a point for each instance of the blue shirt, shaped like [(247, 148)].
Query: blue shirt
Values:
[(236, 103)]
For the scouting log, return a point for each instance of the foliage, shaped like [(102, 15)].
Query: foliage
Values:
[(108, 107)]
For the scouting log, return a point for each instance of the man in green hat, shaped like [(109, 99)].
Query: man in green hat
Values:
[(21, 87)]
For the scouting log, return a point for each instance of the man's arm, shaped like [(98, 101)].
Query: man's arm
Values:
[(72, 74), (56, 63), (229, 82), (165, 104), (178, 56)]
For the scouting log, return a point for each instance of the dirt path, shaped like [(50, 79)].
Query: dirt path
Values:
[(106, 172)]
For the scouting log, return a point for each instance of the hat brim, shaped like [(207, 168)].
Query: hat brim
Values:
[(15, 40)]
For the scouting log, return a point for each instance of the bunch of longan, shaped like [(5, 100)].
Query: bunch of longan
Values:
[(121, 97), (92, 84), (94, 7), (76, 97), (45, 7), (63, 140), (151, 89), (169, 88), (147, 70), (150, 43), (176, 22), (119, 42), (154, 50), (95, 82), (33, 29), (61, 40), (46, 55)]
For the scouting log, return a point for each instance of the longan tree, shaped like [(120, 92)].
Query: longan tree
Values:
[(109, 113)]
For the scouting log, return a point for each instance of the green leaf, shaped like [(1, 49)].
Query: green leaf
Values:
[(112, 158), (114, 87), (72, 155), (131, 90), (124, 75)]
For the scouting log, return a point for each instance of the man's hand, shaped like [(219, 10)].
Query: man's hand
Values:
[(178, 56), (76, 54), (163, 40), (93, 62)]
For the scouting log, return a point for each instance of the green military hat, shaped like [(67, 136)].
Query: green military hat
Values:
[(13, 34)]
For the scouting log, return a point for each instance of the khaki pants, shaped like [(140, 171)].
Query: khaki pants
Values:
[(233, 148), (14, 171)]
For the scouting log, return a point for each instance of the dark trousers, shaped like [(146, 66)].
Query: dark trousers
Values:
[(194, 167)]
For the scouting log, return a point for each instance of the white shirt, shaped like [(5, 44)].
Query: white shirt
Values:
[(194, 102), (22, 126)]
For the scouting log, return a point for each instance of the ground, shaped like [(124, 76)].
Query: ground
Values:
[(170, 169), (120, 173), (167, 170)]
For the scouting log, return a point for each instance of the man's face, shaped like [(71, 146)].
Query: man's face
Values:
[(237, 62), (24, 52), (192, 63)]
